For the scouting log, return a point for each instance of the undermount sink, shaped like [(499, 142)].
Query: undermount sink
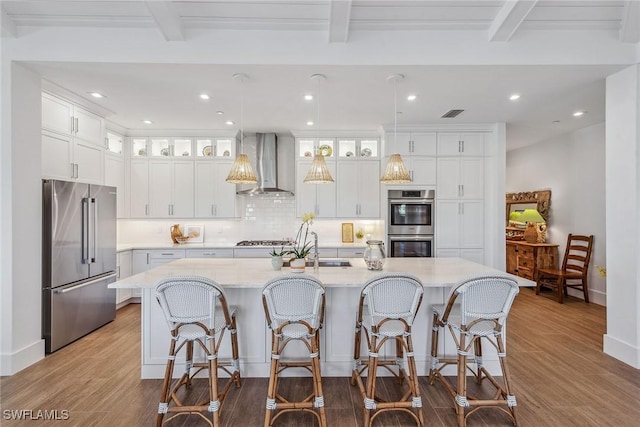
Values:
[(326, 263)]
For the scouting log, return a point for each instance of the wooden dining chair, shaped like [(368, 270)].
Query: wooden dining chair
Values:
[(574, 270)]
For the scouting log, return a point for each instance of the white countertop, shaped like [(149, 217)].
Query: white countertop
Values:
[(121, 247), (255, 272)]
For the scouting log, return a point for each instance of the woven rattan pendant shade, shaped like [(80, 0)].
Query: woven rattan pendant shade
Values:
[(318, 173), (396, 172), (242, 172)]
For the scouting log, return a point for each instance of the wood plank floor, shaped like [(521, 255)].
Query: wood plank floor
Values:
[(560, 375)]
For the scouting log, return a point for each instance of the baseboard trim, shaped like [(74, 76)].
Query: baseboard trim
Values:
[(622, 351), (11, 364)]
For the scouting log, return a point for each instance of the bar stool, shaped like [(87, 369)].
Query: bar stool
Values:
[(196, 311), (388, 306), (476, 309), (294, 309)]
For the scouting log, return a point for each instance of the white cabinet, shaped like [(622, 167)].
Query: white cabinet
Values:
[(358, 147), (139, 189), (145, 259), (418, 150), (114, 143), (214, 197), (459, 224), (72, 143), (317, 198), (350, 252), (123, 270), (460, 178), (210, 253), (410, 143), (114, 176), (461, 144), (252, 252), (474, 255), (358, 190), (161, 188)]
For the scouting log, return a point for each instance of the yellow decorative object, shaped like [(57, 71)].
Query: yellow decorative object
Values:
[(601, 271)]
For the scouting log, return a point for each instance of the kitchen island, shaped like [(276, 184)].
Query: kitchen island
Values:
[(243, 280)]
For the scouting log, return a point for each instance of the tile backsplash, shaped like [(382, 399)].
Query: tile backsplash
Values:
[(259, 218)]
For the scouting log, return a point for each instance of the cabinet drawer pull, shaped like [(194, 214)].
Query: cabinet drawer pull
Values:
[(209, 253)]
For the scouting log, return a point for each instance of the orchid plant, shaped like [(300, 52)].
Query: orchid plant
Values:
[(302, 248)]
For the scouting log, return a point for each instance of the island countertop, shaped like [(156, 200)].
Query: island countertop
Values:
[(255, 272)]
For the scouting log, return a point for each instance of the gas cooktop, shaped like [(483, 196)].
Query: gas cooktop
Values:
[(265, 243)]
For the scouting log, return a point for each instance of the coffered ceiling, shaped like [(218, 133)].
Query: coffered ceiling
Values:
[(504, 47)]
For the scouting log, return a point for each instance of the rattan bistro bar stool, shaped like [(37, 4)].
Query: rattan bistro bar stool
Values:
[(388, 306), (294, 308), (197, 312), (476, 310)]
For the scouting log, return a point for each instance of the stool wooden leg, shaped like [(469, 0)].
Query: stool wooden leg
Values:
[(435, 332), (273, 380), (356, 352), (461, 393), (511, 399), (166, 384), (413, 380), (369, 399), (560, 286), (317, 378), (234, 352)]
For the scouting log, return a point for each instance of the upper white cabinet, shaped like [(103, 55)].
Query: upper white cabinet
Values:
[(461, 144), (418, 150), (459, 224), (307, 147), (114, 176), (214, 197), (114, 143), (72, 142), (358, 190), (410, 143), (220, 148), (460, 178), (171, 189), (61, 116), (317, 198), (368, 148)]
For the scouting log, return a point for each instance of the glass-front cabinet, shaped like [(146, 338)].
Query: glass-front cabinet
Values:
[(358, 147), (138, 147), (114, 143), (215, 147), (325, 146)]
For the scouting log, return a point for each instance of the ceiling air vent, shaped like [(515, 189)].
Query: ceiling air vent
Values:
[(451, 114)]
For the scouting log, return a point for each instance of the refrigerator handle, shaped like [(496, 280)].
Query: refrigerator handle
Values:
[(85, 230), (94, 230)]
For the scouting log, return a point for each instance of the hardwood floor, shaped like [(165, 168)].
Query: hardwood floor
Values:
[(560, 375)]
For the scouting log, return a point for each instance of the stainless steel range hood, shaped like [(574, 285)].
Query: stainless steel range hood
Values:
[(267, 166)]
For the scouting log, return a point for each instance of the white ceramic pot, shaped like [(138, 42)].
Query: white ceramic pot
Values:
[(276, 262), (297, 265)]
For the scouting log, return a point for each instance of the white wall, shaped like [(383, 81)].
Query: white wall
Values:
[(21, 340), (572, 166)]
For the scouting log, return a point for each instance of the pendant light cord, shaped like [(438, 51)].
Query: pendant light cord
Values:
[(395, 115), (318, 118), (242, 115)]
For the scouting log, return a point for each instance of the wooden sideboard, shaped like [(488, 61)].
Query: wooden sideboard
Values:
[(524, 259)]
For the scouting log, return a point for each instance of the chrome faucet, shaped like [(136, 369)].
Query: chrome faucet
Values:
[(316, 255)]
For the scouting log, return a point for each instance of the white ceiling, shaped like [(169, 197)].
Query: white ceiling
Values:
[(356, 97)]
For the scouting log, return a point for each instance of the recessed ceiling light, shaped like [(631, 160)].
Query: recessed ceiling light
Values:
[(147, 122), (97, 95), (514, 97), (308, 97), (230, 122), (412, 97), (220, 113), (309, 123), (578, 113), (204, 96)]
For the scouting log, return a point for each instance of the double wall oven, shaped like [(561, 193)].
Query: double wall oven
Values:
[(410, 223)]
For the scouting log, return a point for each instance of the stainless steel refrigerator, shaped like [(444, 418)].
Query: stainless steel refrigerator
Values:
[(78, 260)]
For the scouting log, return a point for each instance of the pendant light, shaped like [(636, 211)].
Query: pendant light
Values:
[(241, 171), (319, 172), (396, 172)]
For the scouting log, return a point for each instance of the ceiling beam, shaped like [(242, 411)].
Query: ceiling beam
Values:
[(339, 17), (167, 18), (9, 28), (509, 19), (630, 27)]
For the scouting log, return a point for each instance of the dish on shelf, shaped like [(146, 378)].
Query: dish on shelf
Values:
[(366, 152), (307, 153), (325, 150), (164, 152), (226, 153), (207, 151), (185, 153), (142, 152), (349, 154)]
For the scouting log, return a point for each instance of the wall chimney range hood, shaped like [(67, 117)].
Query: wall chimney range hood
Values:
[(266, 167)]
